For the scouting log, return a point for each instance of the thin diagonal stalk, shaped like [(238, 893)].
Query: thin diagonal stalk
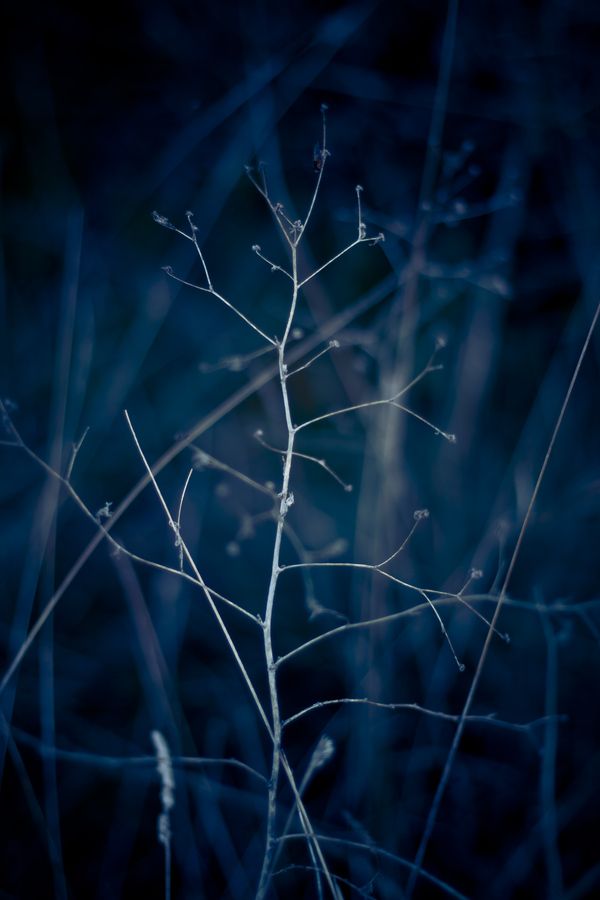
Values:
[(441, 788), (210, 290), (277, 751), (285, 503)]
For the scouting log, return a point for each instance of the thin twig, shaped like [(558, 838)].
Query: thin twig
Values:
[(419, 516), (319, 462), (199, 578), (178, 521), (323, 153), (273, 266), (489, 719), (276, 208), (442, 600), (385, 854), (332, 345), (424, 592), (337, 256), (235, 363), (210, 290), (194, 230), (388, 401), (204, 459), (321, 755), (102, 761), (74, 452), (296, 867)]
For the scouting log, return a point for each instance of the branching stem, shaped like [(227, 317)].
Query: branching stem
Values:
[(286, 500)]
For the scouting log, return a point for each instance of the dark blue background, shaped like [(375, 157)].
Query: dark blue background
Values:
[(109, 116)]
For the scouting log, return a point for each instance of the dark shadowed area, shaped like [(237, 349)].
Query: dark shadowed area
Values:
[(473, 130)]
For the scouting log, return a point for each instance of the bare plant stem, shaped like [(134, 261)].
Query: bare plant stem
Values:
[(314, 847), (490, 719), (285, 502), (286, 499)]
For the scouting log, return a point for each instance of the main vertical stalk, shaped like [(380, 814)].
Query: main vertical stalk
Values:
[(284, 505)]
